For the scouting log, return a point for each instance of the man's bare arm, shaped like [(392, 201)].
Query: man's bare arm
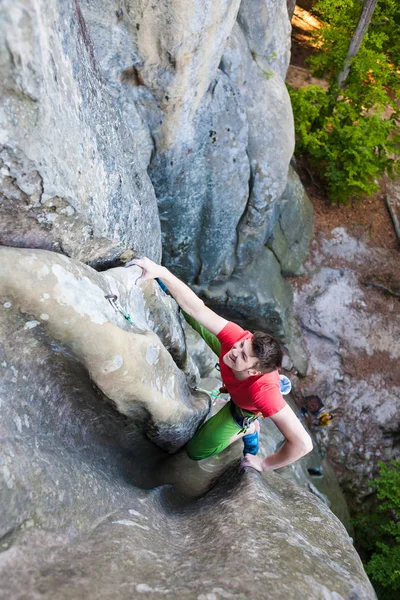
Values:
[(182, 294), (298, 443)]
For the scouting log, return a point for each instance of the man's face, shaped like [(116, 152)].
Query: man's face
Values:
[(241, 358)]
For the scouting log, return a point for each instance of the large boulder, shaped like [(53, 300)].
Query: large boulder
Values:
[(82, 390), (198, 102), (96, 93), (64, 302), (292, 546), (222, 141)]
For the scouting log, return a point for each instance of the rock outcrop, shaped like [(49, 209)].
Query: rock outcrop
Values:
[(154, 547), (70, 167), (64, 302), (294, 228), (82, 391)]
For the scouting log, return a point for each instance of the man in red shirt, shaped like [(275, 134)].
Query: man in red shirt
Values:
[(249, 369)]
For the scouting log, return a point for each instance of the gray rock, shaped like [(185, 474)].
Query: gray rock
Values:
[(295, 227), (204, 542), (271, 142), (180, 47), (54, 97), (71, 464), (128, 364), (95, 93), (266, 26), (202, 188), (291, 4)]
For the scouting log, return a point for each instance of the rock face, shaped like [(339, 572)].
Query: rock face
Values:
[(271, 141), (76, 401), (191, 94), (223, 137), (110, 108), (196, 540), (69, 164), (294, 229), (64, 302)]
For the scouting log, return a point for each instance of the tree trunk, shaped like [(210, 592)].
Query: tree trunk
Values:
[(291, 4), (361, 29)]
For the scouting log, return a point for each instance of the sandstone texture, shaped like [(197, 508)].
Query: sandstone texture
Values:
[(127, 127), (82, 391), (65, 301), (294, 229), (206, 546)]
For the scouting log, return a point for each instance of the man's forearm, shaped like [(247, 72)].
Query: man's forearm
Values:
[(286, 455), (182, 293)]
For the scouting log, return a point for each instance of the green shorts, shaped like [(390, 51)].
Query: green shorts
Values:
[(214, 435)]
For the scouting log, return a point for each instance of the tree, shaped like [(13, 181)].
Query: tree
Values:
[(361, 30), (347, 133)]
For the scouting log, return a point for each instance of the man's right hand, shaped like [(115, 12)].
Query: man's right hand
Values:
[(184, 296), (150, 269)]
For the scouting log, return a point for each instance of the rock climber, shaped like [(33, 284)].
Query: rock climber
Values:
[(249, 366)]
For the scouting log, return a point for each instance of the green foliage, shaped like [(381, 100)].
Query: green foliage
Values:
[(345, 133), (350, 148), (378, 533)]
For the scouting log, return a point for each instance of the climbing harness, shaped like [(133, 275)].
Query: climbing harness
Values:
[(242, 420), (112, 298)]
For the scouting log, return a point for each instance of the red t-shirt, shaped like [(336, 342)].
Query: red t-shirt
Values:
[(259, 393)]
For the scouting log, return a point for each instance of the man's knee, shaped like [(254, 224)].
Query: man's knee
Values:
[(198, 454)]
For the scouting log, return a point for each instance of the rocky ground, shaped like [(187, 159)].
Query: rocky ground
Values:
[(348, 304)]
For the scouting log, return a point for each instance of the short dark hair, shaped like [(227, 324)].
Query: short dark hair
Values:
[(268, 351)]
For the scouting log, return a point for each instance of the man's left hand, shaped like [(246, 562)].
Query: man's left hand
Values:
[(255, 462)]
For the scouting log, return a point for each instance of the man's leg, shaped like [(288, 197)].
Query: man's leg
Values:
[(215, 435)]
